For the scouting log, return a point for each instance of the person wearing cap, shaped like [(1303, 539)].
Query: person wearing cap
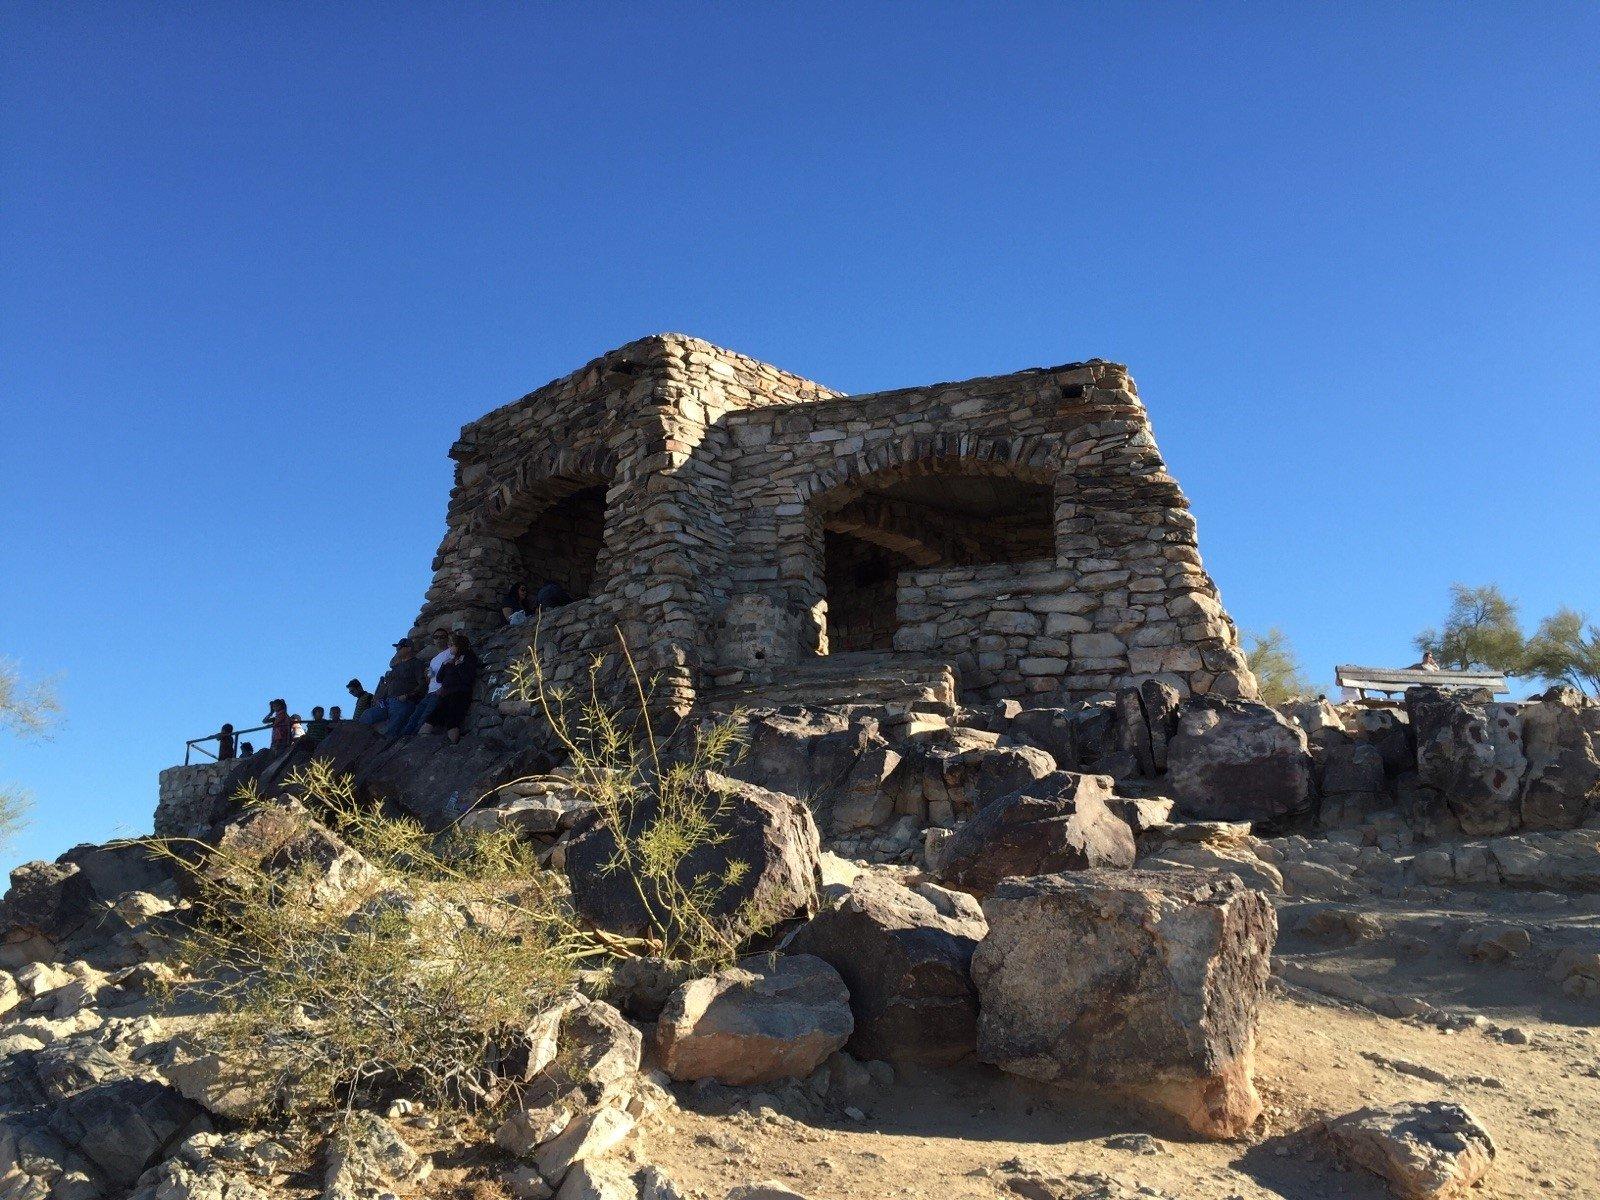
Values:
[(399, 691)]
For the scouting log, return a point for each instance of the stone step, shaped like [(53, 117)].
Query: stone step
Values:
[(858, 677)]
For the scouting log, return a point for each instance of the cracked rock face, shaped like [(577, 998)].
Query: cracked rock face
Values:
[(1061, 822), (907, 964), (1427, 1151), (1146, 982)]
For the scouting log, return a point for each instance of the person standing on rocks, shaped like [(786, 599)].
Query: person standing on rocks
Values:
[(282, 724), (225, 743), (399, 691), (317, 727), (363, 698)]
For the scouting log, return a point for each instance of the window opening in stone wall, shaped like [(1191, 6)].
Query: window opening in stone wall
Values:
[(562, 544), (924, 520)]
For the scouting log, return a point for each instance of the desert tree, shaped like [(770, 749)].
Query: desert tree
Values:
[(1276, 667), (1481, 630), (1566, 647), (28, 710)]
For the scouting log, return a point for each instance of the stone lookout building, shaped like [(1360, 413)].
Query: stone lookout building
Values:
[(749, 532)]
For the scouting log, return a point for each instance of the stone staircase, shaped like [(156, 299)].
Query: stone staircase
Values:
[(857, 677)]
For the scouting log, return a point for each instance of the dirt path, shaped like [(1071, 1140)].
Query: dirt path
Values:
[(959, 1134)]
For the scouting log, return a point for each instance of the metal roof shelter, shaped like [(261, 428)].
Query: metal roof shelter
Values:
[(1391, 680)]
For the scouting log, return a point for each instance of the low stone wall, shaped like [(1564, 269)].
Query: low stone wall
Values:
[(186, 795), (1007, 627), (1035, 632)]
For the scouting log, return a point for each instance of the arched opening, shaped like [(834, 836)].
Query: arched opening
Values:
[(919, 517), (562, 542)]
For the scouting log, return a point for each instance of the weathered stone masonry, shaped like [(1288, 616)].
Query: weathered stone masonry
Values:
[(735, 521)]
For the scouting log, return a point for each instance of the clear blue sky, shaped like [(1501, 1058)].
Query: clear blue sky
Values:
[(261, 262)]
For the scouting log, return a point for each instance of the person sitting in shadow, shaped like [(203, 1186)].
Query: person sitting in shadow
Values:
[(517, 604), (457, 678)]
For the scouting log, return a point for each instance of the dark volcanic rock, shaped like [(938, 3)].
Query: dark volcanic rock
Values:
[(1469, 754), (1060, 822), (907, 964), (773, 835), (1239, 761), (1561, 739)]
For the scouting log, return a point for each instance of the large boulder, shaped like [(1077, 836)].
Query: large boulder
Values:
[(1239, 761), (840, 765), (1469, 754), (772, 835), (283, 842), (46, 899), (906, 958), (111, 1113), (1561, 740), (1431, 1150), (802, 752), (1145, 982), (1060, 822), (768, 1018), (952, 774), (1388, 731), (1353, 782)]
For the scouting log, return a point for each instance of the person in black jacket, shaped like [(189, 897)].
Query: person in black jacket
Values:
[(457, 678), (399, 691)]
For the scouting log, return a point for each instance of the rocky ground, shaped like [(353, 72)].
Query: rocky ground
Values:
[(965, 1134), (1148, 948)]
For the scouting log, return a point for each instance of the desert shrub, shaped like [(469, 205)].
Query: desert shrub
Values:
[(655, 799), (413, 971), (407, 978)]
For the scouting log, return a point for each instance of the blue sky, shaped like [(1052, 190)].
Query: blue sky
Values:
[(263, 261)]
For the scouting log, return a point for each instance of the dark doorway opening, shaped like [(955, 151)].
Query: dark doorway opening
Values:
[(919, 519), (562, 545)]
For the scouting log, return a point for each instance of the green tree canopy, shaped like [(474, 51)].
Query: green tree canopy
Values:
[(1276, 667), (1566, 646), (1482, 631)]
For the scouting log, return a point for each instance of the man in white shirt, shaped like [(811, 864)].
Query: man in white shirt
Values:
[(442, 654)]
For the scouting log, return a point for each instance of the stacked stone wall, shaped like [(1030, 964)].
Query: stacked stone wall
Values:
[(1012, 630), (186, 796), (724, 475)]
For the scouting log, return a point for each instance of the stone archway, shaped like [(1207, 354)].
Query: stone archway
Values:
[(551, 520), (921, 503)]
